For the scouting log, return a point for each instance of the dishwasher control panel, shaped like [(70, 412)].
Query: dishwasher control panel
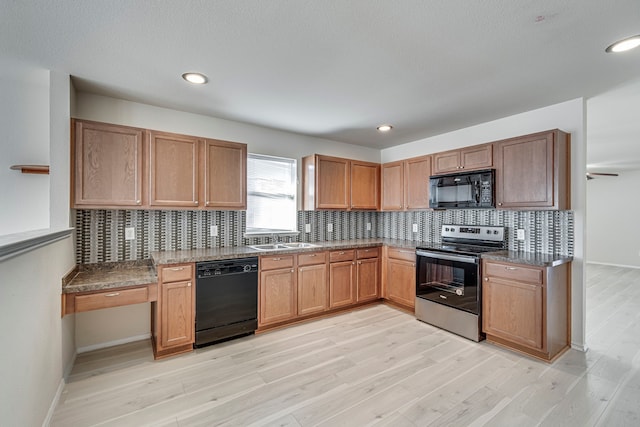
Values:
[(224, 267)]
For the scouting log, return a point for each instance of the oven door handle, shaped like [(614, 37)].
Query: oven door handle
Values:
[(448, 257)]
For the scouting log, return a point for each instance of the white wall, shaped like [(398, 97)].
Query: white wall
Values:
[(32, 355), (24, 120), (613, 207), (568, 116)]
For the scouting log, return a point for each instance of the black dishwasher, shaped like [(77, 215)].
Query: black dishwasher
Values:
[(226, 299)]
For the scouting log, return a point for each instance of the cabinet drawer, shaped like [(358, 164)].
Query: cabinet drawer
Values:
[(114, 298), (403, 254), (368, 253), (312, 258), (274, 262), (177, 273), (342, 255), (514, 272)]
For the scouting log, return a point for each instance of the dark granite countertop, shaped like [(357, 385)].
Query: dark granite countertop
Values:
[(102, 276), (529, 258), (109, 275)]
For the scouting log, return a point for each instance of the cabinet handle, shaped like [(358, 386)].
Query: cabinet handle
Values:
[(115, 294), (292, 270), (500, 204), (359, 262), (510, 268), (196, 202), (177, 269), (413, 264), (138, 202), (353, 263), (340, 253), (189, 284), (277, 259), (310, 255), (486, 279)]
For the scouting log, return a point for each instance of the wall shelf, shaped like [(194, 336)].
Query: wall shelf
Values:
[(39, 169)]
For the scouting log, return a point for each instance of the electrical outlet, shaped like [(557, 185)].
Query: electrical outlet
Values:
[(307, 228), (520, 234), (368, 226), (129, 233), (415, 228), (329, 228), (213, 231)]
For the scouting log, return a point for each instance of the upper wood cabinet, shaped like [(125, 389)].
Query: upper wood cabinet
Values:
[(225, 175), (405, 184), (113, 167), (173, 170), (532, 171), (106, 165), (337, 183), (467, 158)]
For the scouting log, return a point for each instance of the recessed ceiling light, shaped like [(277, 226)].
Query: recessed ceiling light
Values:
[(195, 78), (384, 128), (624, 44)]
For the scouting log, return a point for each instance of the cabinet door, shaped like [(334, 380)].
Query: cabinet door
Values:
[(524, 172), (476, 157), (368, 279), (365, 185), (312, 289), (176, 314), (392, 186), (417, 172), (401, 282), (107, 165), (448, 161), (332, 183), (173, 170), (341, 281), (277, 296), (513, 311), (225, 175)]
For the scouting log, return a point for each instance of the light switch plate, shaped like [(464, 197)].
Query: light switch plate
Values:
[(213, 230), (307, 228), (415, 228), (520, 233), (368, 226), (329, 228), (129, 233)]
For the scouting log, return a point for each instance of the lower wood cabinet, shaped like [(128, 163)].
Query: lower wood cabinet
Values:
[(278, 289), (400, 280), (173, 317), (367, 274), (312, 283), (342, 278), (526, 308)]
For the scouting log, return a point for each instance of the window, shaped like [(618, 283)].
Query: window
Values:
[(271, 194)]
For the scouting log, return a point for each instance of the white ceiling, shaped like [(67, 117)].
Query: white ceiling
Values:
[(333, 68)]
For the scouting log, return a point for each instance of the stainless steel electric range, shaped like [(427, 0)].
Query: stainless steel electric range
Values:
[(448, 288)]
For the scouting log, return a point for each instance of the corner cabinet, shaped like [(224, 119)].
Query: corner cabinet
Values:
[(526, 308), (107, 165), (533, 171), (173, 314), (405, 184), (337, 183), (468, 158)]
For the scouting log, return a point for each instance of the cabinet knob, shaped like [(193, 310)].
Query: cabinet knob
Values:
[(138, 202), (292, 270), (341, 253), (189, 284), (277, 259), (359, 262), (499, 204), (413, 264), (486, 279)]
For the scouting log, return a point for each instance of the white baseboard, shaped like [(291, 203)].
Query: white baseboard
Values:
[(112, 343), (614, 265), (54, 403), (580, 347)]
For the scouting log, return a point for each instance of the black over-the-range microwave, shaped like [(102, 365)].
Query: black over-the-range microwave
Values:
[(463, 190)]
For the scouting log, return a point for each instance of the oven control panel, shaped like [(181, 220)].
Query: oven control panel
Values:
[(475, 232)]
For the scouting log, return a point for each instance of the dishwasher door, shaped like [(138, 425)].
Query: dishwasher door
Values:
[(226, 299)]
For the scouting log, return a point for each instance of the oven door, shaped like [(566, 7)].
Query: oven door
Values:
[(448, 279)]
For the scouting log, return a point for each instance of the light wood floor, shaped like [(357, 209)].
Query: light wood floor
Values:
[(373, 366)]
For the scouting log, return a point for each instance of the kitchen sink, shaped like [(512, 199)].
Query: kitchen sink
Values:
[(300, 245), (279, 246)]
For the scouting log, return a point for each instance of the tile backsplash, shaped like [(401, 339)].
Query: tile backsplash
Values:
[(100, 234)]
